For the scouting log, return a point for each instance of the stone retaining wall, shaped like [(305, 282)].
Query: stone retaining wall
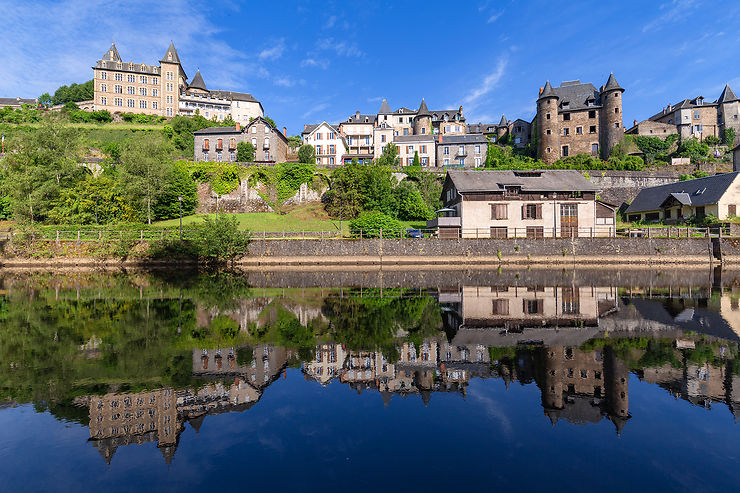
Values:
[(478, 251)]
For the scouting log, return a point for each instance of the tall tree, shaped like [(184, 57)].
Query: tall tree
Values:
[(145, 170), (245, 152), (306, 154), (40, 165)]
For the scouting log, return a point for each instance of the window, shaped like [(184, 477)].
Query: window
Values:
[(405, 131), (118, 102), (616, 125), (424, 161), (592, 129), (155, 93), (267, 142), (565, 151), (219, 144), (594, 149), (446, 162), (331, 149), (154, 105), (566, 117), (232, 143), (500, 307), (142, 104), (499, 211), (267, 158), (155, 81), (130, 78), (130, 103), (219, 156), (532, 211), (446, 150), (142, 91), (409, 149), (118, 89), (104, 101), (548, 150), (423, 130), (499, 232), (566, 132), (143, 79), (330, 135), (518, 140), (461, 151), (732, 210), (548, 131), (254, 129), (477, 149), (547, 116), (579, 130), (104, 75), (318, 149), (169, 112), (130, 90), (461, 161), (331, 160), (254, 142), (232, 156), (477, 162), (103, 88), (382, 138), (616, 110), (533, 307), (535, 232), (318, 136), (697, 115)]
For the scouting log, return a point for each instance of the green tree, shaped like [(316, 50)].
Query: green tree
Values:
[(653, 147), (270, 121), (179, 184), (40, 165), (78, 204), (416, 161), (144, 171), (377, 189), (294, 141), (218, 239), (344, 197), (245, 152), (73, 92), (411, 204), (307, 154), (389, 156), (712, 140), (693, 149), (728, 136)]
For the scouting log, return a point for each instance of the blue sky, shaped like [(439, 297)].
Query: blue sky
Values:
[(309, 61)]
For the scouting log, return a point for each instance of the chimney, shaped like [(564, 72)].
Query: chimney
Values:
[(238, 127), (440, 138), (305, 126), (357, 114), (541, 89), (634, 123), (285, 132), (461, 113)]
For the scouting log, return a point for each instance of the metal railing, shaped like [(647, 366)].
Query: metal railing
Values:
[(532, 233)]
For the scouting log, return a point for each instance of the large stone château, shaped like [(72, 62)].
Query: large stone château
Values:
[(576, 118), (163, 89)]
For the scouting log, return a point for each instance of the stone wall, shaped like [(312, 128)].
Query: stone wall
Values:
[(248, 199), (619, 187), (483, 251)]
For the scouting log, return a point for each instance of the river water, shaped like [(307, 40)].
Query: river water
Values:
[(566, 380)]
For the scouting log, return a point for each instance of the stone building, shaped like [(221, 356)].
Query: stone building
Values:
[(412, 145), (699, 118), (219, 143), (650, 128), (163, 89), (576, 118), (17, 103), (467, 151), (518, 132)]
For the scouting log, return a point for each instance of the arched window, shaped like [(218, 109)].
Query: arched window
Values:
[(267, 141), (220, 144), (232, 144), (206, 144)]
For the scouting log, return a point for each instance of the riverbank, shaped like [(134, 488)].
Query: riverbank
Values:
[(409, 252)]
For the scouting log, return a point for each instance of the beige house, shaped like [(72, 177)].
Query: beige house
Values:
[(522, 204), (717, 195), (329, 145)]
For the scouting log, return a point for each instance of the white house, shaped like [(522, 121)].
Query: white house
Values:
[(329, 144)]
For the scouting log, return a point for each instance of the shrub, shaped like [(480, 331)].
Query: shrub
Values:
[(372, 222), (693, 149), (728, 135), (218, 239), (306, 154), (245, 152), (690, 176), (713, 141)]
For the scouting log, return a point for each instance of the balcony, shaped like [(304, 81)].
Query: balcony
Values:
[(461, 153), (444, 222), (266, 145)]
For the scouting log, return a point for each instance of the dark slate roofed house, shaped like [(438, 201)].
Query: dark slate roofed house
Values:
[(718, 195)]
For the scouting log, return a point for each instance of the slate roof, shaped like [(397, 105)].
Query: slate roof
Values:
[(547, 91), (107, 56), (413, 138), (267, 124), (700, 191), (16, 101), (361, 118), (576, 95), (529, 181), (235, 96), (313, 126), (197, 82), (464, 139), (217, 130), (423, 110), (727, 95), (171, 51), (438, 115), (612, 84), (503, 121), (683, 104), (384, 107)]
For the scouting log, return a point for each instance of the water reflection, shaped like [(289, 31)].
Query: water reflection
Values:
[(136, 358)]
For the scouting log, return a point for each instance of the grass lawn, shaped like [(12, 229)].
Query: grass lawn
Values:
[(311, 217), (110, 126)]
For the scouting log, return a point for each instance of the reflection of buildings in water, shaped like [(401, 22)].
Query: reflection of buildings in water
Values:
[(583, 386), (729, 304), (327, 364), (258, 312), (159, 415)]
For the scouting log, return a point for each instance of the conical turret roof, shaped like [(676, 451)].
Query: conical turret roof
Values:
[(547, 92), (171, 54), (727, 95), (612, 84), (112, 54), (503, 121), (423, 110), (197, 82), (384, 108)]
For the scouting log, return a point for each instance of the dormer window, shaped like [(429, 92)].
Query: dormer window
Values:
[(169, 56)]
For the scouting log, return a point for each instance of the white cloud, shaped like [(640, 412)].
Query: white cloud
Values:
[(330, 22), (493, 17), (341, 48), (671, 12), (376, 99), (315, 109), (312, 62), (285, 81), (488, 83), (274, 52), (77, 32)]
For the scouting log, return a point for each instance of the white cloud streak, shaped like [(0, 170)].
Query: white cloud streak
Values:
[(274, 52), (671, 12), (488, 83)]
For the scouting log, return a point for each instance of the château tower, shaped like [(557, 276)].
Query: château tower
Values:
[(423, 120), (548, 128), (610, 121)]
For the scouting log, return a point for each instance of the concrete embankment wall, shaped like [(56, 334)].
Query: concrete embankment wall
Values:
[(479, 251)]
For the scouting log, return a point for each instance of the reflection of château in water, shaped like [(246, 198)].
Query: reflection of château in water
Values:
[(160, 415)]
